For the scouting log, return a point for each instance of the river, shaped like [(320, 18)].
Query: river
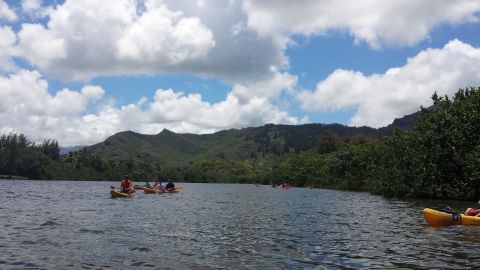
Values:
[(65, 225)]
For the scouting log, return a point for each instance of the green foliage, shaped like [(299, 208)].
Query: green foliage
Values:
[(19, 157), (439, 158), (328, 142), (263, 146)]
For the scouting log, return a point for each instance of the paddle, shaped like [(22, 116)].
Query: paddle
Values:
[(448, 210)]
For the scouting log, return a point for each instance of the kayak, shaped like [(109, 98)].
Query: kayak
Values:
[(137, 187), (157, 191), (176, 190), (437, 218), (147, 190), (118, 194)]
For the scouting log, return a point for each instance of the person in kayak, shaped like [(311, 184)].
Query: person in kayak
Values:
[(127, 185), (170, 186), (472, 212), (158, 185)]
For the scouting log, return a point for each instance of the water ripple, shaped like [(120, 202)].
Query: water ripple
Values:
[(46, 226)]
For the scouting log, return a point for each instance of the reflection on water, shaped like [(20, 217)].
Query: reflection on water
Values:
[(208, 226)]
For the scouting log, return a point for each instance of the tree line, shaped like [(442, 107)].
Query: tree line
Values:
[(20, 157), (439, 158)]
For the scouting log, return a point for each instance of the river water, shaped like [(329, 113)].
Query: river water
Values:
[(65, 225)]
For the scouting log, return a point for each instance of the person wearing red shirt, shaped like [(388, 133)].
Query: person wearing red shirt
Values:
[(127, 185)]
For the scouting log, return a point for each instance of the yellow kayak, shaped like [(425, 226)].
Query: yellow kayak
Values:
[(437, 218), (118, 194)]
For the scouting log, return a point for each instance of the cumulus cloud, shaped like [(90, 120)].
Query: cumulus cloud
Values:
[(93, 38), (31, 6), (86, 116), (6, 13), (27, 106), (83, 39), (376, 22), (189, 113), (234, 41), (35, 8), (269, 88), (8, 48), (380, 98)]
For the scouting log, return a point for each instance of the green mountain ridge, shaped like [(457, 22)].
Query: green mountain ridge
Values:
[(266, 144), (236, 154)]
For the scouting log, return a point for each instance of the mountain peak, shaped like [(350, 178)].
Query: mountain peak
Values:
[(166, 131)]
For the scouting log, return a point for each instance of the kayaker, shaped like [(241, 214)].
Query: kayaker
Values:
[(170, 186), (127, 185), (158, 185), (472, 212)]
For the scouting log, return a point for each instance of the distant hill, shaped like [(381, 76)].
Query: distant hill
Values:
[(226, 154), (266, 144), (406, 123)]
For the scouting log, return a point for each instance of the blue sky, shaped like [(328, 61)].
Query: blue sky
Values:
[(80, 71)]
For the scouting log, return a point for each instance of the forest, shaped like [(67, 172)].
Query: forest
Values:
[(439, 158)]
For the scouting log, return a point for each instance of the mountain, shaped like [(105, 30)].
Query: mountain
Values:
[(265, 145), (406, 123), (237, 155)]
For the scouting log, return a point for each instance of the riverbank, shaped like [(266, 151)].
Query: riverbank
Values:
[(13, 177)]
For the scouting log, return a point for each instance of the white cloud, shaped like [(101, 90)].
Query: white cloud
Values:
[(6, 12), (380, 98), (31, 6), (270, 87), (83, 39), (92, 38), (162, 36), (27, 106), (8, 48), (41, 46), (87, 116), (35, 8), (376, 22)]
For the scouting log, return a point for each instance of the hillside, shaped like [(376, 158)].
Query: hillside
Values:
[(406, 123), (267, 143)]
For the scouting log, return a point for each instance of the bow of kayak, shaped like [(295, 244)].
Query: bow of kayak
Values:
[(437, 218), (117, 194)]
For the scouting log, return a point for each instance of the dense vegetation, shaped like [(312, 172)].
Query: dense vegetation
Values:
[(237, 155), (438, 158), (20, 157)]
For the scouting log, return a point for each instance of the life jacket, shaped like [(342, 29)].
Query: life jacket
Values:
[(126, 184), (170, 186)]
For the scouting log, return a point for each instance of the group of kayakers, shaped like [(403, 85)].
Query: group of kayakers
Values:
[(126, 185), (170, 186)]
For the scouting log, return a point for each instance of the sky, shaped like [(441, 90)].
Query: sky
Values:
[(79, 71)]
